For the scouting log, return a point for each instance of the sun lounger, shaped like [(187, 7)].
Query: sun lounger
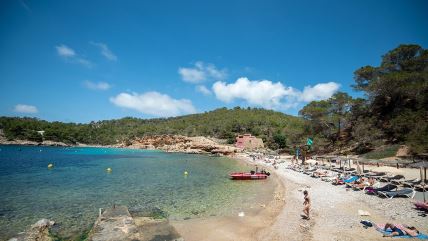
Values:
[(351, 179), (388, 179), (328, 179), (411, 183), (421, 187), (388, 187), (376, 174), (406, 192), (359, 188), (348, 180)]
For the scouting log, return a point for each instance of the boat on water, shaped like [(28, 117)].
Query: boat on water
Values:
[(248, 176)]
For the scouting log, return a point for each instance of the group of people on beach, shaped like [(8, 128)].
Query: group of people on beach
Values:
[(389, 229)]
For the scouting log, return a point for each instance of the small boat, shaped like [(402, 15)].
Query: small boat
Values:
[(247, 176)]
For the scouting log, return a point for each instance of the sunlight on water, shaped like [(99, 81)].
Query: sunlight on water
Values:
[(78, 185)]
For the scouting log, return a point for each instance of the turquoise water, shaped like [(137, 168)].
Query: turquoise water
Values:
[(72, 192)]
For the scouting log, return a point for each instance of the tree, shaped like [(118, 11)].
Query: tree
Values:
[(340, 107), (397, 92), (280, 140)]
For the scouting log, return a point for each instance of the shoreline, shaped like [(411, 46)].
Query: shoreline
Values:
[(232, 227), (334, 212), (263, 208)]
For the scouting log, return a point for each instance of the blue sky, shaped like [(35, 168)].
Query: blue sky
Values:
[(78, 61)]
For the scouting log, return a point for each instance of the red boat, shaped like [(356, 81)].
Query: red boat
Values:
[(247, 176)]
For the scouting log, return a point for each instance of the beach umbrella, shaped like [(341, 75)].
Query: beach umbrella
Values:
[(359, 171), (422, 178)]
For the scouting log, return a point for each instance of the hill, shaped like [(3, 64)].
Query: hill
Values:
[(276, 129)]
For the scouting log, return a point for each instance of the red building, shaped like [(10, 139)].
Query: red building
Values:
[(247, 141)]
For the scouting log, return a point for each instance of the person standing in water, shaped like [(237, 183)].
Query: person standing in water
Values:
[(306, 204)]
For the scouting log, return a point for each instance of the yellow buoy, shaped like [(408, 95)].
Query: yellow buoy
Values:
[(50, 165), (186, 173), (109, 169)]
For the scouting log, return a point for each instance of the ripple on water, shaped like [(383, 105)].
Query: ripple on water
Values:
[(72, 192)]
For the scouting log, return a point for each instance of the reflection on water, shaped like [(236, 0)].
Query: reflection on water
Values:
[(72, 192)]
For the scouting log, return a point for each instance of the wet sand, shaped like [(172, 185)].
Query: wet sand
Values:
[(257, 218)]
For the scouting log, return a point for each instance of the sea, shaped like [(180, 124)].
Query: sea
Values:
[(81, 180)]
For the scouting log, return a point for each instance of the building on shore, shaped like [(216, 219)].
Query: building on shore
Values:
[(249, 142)]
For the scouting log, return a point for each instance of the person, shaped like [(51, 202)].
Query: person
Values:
[(404, 230), (306, 204)]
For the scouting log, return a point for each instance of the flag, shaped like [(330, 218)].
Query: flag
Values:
[(309, 142)]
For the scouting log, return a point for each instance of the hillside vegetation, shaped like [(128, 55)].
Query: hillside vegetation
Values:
[(394, 111), (276, 128)]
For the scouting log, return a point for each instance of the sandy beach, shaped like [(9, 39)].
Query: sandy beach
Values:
[(247, 226), (334, 213), (334, 210)]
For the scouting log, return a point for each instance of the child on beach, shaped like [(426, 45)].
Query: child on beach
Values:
[(306, 204)]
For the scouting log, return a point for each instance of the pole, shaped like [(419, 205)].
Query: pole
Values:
[(425, 175), (423, 183)]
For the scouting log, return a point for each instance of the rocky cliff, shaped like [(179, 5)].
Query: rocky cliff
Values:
[(177, 143)]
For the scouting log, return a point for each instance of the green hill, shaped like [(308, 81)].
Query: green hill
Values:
[(278, 130)]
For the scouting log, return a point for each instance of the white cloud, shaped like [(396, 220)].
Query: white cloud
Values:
[(65, 51), (154, 103), (105, 51), (263, 93), (271, 95), (202, 89), (70, 55), (202, 72), (319, 91), (28, 109), (97, 86)]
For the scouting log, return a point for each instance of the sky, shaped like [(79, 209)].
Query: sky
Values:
[(82, 61)]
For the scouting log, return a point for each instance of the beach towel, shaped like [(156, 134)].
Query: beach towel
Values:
[(380, 228), (351, 179), (421, 205)]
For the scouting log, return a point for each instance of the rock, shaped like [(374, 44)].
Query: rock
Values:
[(43, 223), (37, 232), (177, 143)]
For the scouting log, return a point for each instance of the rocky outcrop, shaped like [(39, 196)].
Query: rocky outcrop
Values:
[(117, 223), (37, 232), (32, 143), (177, 143)]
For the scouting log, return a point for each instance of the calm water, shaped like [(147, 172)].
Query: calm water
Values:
[(72, 192)]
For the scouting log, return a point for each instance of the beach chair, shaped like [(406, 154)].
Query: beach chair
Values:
[(389, 179), (328, 179), (406, 192), (348, 180), (376, 174), (411, 183), (421, 187), (375, 185), (388, 187)]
